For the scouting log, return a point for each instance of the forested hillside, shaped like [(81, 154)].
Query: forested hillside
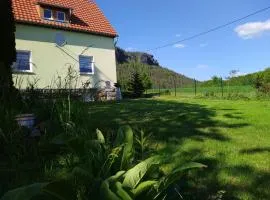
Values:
[(249, 79), (252, 79), (147, 66)]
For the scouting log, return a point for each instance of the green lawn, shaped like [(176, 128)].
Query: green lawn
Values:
[(231, 137)]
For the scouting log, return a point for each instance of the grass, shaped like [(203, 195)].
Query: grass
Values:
[(231, 137)]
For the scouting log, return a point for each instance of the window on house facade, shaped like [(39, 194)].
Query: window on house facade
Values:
[(60, 16), (23, 61), (48, 14), (86, 64)]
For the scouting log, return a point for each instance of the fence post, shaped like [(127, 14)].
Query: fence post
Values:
[(158, 88), (174, 86), (222, 89), (195, 84)]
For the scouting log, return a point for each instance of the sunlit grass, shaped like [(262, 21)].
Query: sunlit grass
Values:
[(231, 137)]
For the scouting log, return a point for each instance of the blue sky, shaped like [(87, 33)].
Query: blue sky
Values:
[(146, 24)]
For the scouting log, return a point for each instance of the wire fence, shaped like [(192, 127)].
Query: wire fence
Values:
[(197, 89)]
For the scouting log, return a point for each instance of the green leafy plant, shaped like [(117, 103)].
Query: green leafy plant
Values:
[(142, 144), (135, 184), (58, 190), (125, 137), (93, 168)]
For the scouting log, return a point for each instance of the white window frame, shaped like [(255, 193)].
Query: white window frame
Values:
[(92, 65), (51, 14), (59, 20), (30, 62)]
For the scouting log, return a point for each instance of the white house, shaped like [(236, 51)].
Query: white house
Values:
[(57, 37)]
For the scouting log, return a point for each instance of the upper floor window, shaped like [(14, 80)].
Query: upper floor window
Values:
[(23, 61), (48, 14), (60, 16), (86, 64)]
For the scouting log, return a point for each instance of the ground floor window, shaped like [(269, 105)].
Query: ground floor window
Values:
[(86, 64), (23, 61)]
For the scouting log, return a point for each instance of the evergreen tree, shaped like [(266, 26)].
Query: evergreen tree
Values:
[(8, 55), (136, 85), (147, 83)]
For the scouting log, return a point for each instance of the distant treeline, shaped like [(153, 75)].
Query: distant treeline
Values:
[(147, 66), (254, 79)]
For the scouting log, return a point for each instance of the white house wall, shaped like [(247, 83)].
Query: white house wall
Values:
[(51, 62)]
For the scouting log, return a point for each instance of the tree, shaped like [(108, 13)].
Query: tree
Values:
[(136, 85), (216, 80), (258, 81), (8, 55), (233, 73), (147, 83)]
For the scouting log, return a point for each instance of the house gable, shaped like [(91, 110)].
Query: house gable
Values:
[(80, 15)]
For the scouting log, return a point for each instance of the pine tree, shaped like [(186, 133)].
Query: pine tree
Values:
[(8, 55), (136, 85), (147, 83)]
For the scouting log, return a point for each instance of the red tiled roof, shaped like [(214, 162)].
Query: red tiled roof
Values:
[(86, 16)]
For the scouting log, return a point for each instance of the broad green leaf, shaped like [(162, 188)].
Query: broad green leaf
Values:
[(121, 192), (125, 137), (61, 190), (25, 193), (106, 193), (176, 174), (136, 174), (116, 177), (142, 187), (100, 137), (188, 166)]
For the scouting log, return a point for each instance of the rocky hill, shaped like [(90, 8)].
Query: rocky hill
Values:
[(123, 56), (129, 62)]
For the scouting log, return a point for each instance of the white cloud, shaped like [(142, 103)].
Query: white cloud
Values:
[(202, 66), (252, 29), (178, 35), (130, 49), (179, 46), (240, 74), (203, 45)]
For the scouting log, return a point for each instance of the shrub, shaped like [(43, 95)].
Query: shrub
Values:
[(136, 85), (166, 93), (209, 94)]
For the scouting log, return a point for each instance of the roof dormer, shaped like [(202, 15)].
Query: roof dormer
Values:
[(54, 12)]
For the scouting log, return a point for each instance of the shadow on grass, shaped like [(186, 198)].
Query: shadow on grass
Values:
[(256, 150), (163, 119), (174, 122), (256, 184), (233, 116), (243, 181)]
